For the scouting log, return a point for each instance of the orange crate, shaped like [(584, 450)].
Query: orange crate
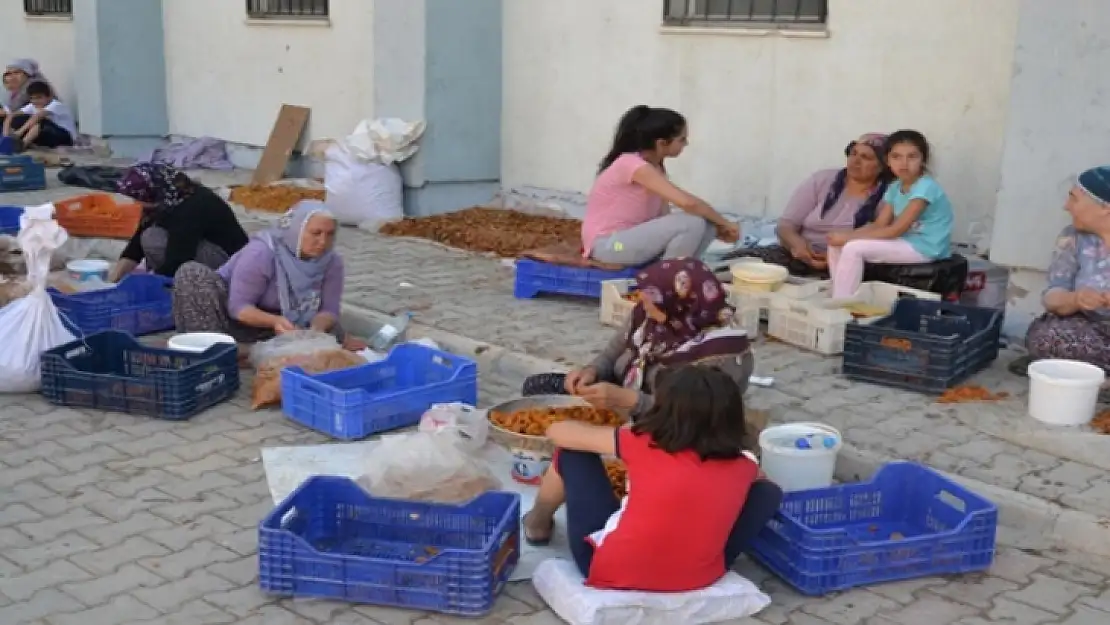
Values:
[(99, 216)]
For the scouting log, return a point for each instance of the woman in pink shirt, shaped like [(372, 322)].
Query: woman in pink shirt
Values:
[(830, 200), (628, 220)]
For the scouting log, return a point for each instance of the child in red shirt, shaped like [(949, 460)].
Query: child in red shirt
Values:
[(694, 501)]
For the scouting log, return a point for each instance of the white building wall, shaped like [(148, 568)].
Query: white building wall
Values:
[(48, 40), (764, 110), (228, 76)]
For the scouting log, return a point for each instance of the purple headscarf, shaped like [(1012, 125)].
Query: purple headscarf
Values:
[(300, 281), (866, 213)]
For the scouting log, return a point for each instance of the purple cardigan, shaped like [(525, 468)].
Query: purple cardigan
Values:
[(252, 281)]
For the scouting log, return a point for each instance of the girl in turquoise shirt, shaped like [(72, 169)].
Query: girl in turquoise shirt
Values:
[(914, 223)]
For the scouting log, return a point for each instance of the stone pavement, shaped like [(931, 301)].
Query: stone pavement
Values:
[(111, 519)]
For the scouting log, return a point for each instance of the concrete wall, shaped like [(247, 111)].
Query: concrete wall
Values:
[(765, 110), (48, 40), (228, 76), (1058, 126)]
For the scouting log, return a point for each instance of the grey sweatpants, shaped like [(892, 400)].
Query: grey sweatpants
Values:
[(677, 235)]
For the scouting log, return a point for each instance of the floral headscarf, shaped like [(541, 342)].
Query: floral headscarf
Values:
[(155, 183), (867, 211), (695, 304), (300, 280)]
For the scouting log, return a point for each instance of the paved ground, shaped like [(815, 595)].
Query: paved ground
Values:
[(110, 519)]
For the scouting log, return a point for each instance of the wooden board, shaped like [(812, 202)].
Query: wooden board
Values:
[(283, 138)]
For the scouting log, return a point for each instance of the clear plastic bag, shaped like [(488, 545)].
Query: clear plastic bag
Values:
[(427, 466), (315, 352), (471, 424)]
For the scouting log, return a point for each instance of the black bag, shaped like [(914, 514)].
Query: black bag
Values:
[(945, 277)]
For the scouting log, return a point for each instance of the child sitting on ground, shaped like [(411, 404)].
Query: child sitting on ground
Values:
[(45, 122), (695, 501)]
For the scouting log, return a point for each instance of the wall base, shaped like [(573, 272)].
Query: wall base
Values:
[(134, 147), (436, 198)]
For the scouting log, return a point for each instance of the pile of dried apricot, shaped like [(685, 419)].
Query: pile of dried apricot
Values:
[(276, 198), (962, 394), (535, 421), (506, 233)]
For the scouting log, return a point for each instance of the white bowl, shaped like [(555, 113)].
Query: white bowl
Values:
[(88, 270), (198, 342)]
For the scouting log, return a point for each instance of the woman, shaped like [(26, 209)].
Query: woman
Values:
[(1076, 323), (285, 278), (627, 220), (17, 75), (828, 201), (182, 221)]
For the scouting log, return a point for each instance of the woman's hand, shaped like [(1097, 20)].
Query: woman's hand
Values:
[(839, 239), (1089, 299), (122, 267), (728, 232), (611, 396), (578, 378), (281, 325)]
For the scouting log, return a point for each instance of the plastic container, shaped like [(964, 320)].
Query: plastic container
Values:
[(353, 403), (88, 270), (758, 276), (331, 540), (818, 323), (138, 305), (534, 278), (98, 215), (7, 146), (987, 284), (615, 309), (907, 522), (1064, 392), (799, 469), (112, 371), (9, 219), (21, 173), (198, 342), (923, 346)]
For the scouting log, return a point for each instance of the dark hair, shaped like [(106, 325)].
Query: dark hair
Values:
[(640, 128), (699, 409), (869, 209), (40, 88), (914, 138)]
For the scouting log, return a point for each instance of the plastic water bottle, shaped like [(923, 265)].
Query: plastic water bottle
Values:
[(803, 442), (390, 331)]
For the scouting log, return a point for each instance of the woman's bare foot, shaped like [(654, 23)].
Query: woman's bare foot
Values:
[(538, 528)]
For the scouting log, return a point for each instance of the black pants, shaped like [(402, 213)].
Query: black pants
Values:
[(51, 135), (591, 501)]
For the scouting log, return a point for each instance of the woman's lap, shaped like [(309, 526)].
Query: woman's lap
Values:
[(677, 234), (1075, 337), (779, 255), (200, 305)]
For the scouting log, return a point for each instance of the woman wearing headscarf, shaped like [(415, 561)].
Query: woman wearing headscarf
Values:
[(182, 221), (830, 200), (682, 316), (286, 278), (17, 76), (1076, 323)]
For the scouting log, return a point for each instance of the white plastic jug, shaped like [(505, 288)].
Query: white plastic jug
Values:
[(799, 469)]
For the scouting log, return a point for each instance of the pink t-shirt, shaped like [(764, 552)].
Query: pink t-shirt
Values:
[(616, 203)]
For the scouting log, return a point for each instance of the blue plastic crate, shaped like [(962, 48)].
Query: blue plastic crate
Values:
[(534, 278), (907, 522), (9, 219), (21, 173), (7, 146), (923, 345), (139, 304), (111, 371), (354, 403), (332, 540)]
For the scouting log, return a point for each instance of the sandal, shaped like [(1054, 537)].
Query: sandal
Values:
[(532, 540)]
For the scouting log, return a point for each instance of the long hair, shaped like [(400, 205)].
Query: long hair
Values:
[(698, 409), (640, 128)]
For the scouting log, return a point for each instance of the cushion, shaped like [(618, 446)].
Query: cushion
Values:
[(563, 588)]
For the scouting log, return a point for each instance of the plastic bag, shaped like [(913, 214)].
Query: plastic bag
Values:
[(385, 141), (362, 193), (313, 351), (427, 466), (471, 424), (31, 325)]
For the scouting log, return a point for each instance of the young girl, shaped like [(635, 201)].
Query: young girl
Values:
[(914, 223), (627, 221), (694, 502)]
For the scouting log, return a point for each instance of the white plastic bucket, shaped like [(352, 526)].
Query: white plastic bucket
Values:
[(1064, 392), (198, 342), (88, 270), (799, 469)]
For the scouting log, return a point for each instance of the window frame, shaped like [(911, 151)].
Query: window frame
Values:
[(685, 15), (270, 10), (43, 8)]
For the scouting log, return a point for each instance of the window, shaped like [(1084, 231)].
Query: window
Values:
[(48, 7), (288, 9), (773, 13)]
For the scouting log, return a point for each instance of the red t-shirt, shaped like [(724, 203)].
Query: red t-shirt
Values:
[(670, 533)]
